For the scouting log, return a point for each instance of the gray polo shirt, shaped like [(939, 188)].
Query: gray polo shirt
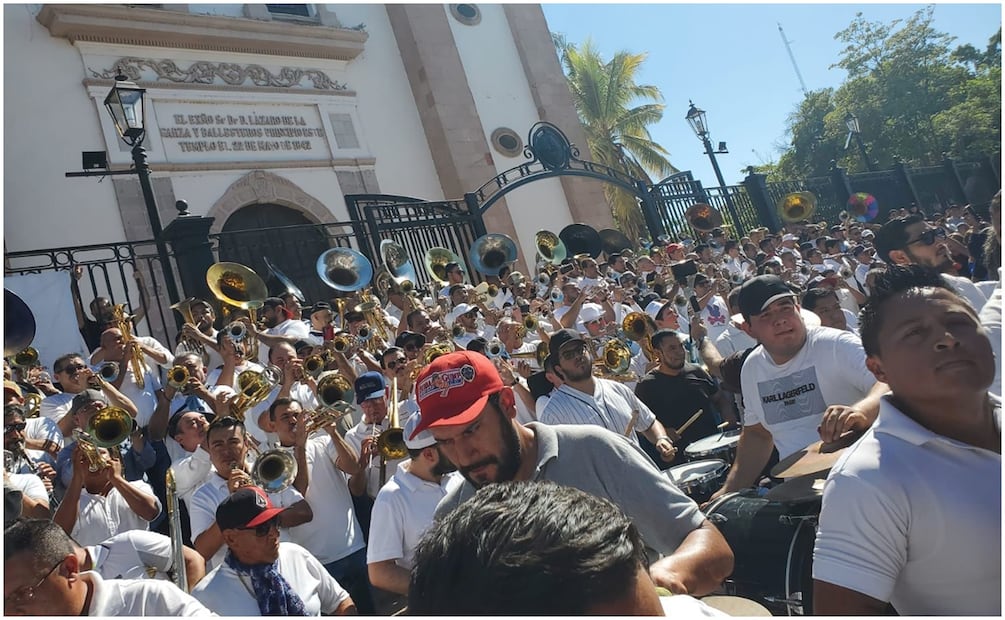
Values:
[(608, 465)]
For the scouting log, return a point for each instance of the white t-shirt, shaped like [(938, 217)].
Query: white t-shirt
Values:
[(789, 399), (214, 375), (56, 406), (914, 518), (715, 317), (991, 319), (733, 339), (140, 597), (402, 512), (191, 469), (229, 594), (967, 289), (355, 436), (131, 554), (30, 485), (100, 517), (202, 510), (610, 406), (334, 533), (299, 391), (44, 429)]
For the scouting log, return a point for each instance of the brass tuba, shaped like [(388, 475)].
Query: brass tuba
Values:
[(237, 286), (614, 241), (703, 217), (344, 269), (291, 288), (550, 247), (490, 253), (581, 239), (639, 327), (399, 265), (436, 261), (797, 206)]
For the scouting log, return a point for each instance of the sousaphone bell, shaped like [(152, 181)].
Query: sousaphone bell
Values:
[(18, 324), (344, 269), (436, 261), (491, 253), (614, 241), (581, 239), (797, 206), (703, 217), (550, 247), (236, 285), (291, 288), (399, 265)]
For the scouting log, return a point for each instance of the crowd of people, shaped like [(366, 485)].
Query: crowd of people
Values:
[(516, 448)]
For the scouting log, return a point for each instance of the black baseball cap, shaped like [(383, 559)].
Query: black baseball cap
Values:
[(406, 337), (561, 338), (246, 507), (759, 292)]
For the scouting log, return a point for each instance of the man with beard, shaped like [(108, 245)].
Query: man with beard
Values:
[(912, 241), (404, 509), (674, 391), (912, 512), (281, 326), (585, 399), (202, 332), (471, 415)]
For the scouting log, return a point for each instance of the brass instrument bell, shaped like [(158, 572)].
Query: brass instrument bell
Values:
[(703, 217), (399, 265), (291, 288), (344, 269), (274, 470), (797, 206), (550, 247), (178, 376), (436, 261), (236, 285), (391, 443), (581, 239), (18, 324), (333, 389), (25, 358), (613, 241), (491, 253)]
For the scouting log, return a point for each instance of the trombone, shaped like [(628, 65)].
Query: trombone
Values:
[(184, 308), (391, 443), (122, 321)]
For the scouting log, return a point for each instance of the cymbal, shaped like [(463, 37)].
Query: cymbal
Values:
[(800, 489), (815, 458)]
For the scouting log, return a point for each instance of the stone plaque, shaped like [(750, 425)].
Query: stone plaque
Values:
[(234, 132)]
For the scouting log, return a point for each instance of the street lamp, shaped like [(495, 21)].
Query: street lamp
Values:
[(699, 123), (851, 122), (125, 105)]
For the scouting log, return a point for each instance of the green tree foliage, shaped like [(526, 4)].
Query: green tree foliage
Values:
[(914, 95), (616, 113)]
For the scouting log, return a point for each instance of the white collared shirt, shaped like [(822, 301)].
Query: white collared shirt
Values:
[(134, 554), (102, 516), (402, 512), (355, 436)]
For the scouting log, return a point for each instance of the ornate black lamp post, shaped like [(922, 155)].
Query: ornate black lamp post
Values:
[(851, 121), (125, 104), (696, 118)]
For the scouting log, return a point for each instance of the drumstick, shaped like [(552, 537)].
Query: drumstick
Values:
[(631, 423), (691, 421)]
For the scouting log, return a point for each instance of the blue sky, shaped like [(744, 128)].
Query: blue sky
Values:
[(731, 61)]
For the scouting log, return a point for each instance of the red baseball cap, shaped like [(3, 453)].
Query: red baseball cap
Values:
[(673, 247), (454, 389)]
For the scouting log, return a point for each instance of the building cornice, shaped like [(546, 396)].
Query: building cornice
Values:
[(130, 25)]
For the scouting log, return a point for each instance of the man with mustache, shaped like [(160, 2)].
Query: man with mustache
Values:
[(471, 414)]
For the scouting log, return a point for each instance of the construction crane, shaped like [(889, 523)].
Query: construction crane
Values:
[(788, 49)]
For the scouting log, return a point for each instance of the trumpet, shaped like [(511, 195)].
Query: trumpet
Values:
[(178, 377), (364, 332), (456, 331), (108, 371), (328, 416), (32, 404), (615, 360), (344, 341), (334, 389), (122, 321), (845, 272), (314, 365)]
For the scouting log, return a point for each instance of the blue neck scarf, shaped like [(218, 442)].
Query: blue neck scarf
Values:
[(274, 594)]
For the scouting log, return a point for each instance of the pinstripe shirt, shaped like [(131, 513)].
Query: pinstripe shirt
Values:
[(610, 406)]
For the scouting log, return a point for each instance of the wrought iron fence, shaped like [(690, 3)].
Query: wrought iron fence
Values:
[(293, 250), (127, 272)]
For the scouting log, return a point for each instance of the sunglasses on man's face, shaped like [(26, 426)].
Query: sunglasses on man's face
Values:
[(72, 369), (930, 236), (262, 530), (17, 426), (393, 364)]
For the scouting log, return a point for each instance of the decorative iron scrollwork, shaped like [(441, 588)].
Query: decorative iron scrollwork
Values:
[(547, 144), (205, 72)]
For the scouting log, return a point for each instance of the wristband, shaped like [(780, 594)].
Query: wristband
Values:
[(661, 438)]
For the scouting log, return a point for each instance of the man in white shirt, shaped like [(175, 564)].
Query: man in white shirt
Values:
[(912, 511), (372, 394), (100, 504), (228, 451), (295, 384), (325, 467), (404, 509), (466, 317), (455, 275), (281, 326), (75, 376), (42, 438), (43, 576), (202, 332), (139, 389), (261, 575), (585, 399), (912, 241), (800, 386), (136, 554)]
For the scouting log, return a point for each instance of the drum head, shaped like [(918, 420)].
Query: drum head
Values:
[(696, 472), (736, 606), (719, 441)]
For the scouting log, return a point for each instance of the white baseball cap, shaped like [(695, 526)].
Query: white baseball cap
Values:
[(420, 441)]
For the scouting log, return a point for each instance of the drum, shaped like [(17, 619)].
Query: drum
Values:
[(720, 446), (772, 543), (699, 479)]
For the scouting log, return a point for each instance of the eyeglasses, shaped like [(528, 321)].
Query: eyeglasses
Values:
[(72, 368), (27, 593), (262, 530), (573, 351), (929, 236), (401, 361), (18, 426)]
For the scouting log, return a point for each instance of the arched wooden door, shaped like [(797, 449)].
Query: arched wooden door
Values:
[(286, 237)]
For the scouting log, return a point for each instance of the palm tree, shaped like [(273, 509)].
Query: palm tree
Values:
[(617, 132)]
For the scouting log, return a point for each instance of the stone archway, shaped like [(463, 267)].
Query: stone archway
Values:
[(261, 187)]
